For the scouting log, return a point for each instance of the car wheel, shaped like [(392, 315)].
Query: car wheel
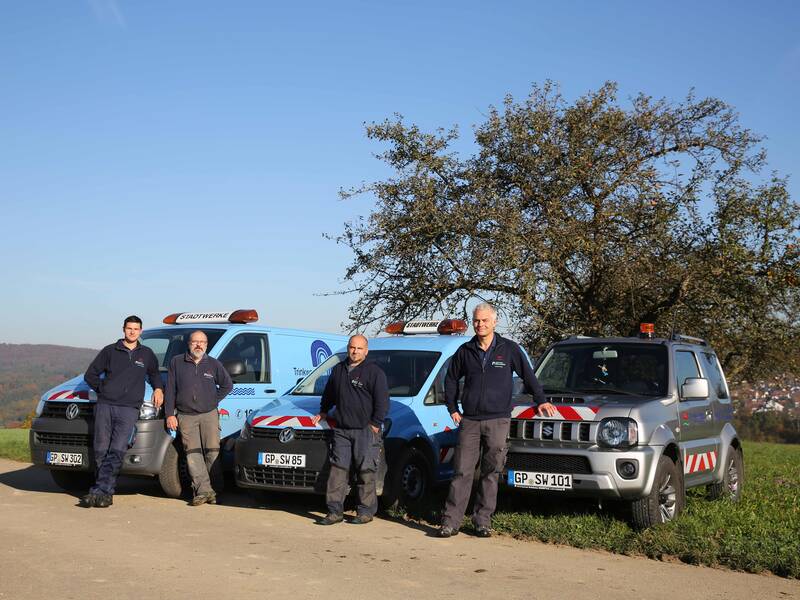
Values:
[(72, 481), (664, 502), (732, 478), (174, 475), (408, 480)]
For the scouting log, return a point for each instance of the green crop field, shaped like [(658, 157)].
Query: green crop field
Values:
[(760, 533), (14, 444)]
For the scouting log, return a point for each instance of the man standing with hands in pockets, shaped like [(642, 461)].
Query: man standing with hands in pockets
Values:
[(360, 393), (195, 385), (487, 363)]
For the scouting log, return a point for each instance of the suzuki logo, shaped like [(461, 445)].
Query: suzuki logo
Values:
[(72, 411), (547, 430), (286, 435)]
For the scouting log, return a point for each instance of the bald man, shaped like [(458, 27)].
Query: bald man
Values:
[(358, 390)]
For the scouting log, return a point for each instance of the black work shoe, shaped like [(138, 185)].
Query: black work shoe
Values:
[(483, 532), (104, 501), (199, 499), (331, 519), (446, 532), (88, 501), (361, 519)]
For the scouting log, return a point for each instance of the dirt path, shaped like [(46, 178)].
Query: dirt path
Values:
[(146, 546)]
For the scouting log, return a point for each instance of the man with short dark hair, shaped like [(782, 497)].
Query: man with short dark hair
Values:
[(117, 374), (195, 386), (487, 363), (360, 393)]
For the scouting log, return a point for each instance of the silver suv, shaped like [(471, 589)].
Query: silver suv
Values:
[(639, 419)]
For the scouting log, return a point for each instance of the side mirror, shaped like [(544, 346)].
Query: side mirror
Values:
[(694, 388), (234, 368)]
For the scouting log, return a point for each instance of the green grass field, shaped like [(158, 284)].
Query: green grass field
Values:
[(760, 533), (14, 444)]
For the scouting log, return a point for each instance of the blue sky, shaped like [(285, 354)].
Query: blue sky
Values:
[(157, 157)]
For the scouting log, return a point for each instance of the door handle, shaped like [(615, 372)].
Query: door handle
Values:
[(270, 391)]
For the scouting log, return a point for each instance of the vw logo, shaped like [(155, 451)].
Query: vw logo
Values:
[(72, 411), (286, 435)]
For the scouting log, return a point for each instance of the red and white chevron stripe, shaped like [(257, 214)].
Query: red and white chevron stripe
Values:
[(74, 395), (289, 421), (564, 413), (702, 461), (446, 454)]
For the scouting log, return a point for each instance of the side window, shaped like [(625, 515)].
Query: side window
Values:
[(685, 366), (435, 395), (252, 349), (714, 371)]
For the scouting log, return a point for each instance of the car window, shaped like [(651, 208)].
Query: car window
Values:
[(167, 343), (685, 366), (714, 372), (251, 349)]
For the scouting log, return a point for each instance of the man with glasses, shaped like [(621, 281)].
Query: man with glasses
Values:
[(487, 363), (195, 386)]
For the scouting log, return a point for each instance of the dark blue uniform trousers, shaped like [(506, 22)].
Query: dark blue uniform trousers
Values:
[(113, 433), (360, 447)]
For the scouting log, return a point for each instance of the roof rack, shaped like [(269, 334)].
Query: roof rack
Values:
[(679, 337)]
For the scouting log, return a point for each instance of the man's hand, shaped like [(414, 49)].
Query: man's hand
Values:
[(456, 416), (374, 429), (317, 418), (172, 423), (158, 397), (546, 410)]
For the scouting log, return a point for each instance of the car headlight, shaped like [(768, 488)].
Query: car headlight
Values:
[(244, 434), (148, 412), (39, 407), (617, 432)]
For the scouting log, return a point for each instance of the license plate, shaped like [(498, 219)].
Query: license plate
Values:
[(276, 459), (540, 481), (67, 459)]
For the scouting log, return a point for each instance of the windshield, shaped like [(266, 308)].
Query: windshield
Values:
[(631, 369), (406, 371), (168, 343)]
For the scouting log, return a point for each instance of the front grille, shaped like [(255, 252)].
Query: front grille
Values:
[(271, 433), (276, 476), (552, 431), (548, 463), (48, 438), (58, 410)]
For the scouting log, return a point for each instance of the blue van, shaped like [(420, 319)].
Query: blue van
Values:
[(280, 449), (264, 363)]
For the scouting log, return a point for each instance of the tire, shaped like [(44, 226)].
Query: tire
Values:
[(732, 478), (408, 480), (72, 481), (174, 476), (664, 502)]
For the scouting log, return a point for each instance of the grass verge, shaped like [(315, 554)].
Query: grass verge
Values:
[(759, 533), (14, 444)]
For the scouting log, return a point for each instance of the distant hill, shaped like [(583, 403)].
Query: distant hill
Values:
[(28, 370)]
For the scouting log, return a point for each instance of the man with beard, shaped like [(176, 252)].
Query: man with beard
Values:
[(195, 385)]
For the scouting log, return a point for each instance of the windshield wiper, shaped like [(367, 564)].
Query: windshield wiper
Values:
[(610, 390)]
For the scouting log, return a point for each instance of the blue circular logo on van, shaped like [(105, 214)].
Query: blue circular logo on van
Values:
[(319, 352)]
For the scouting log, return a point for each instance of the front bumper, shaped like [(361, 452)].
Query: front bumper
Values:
[(313, 443), (50, 434), (594, 469)]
